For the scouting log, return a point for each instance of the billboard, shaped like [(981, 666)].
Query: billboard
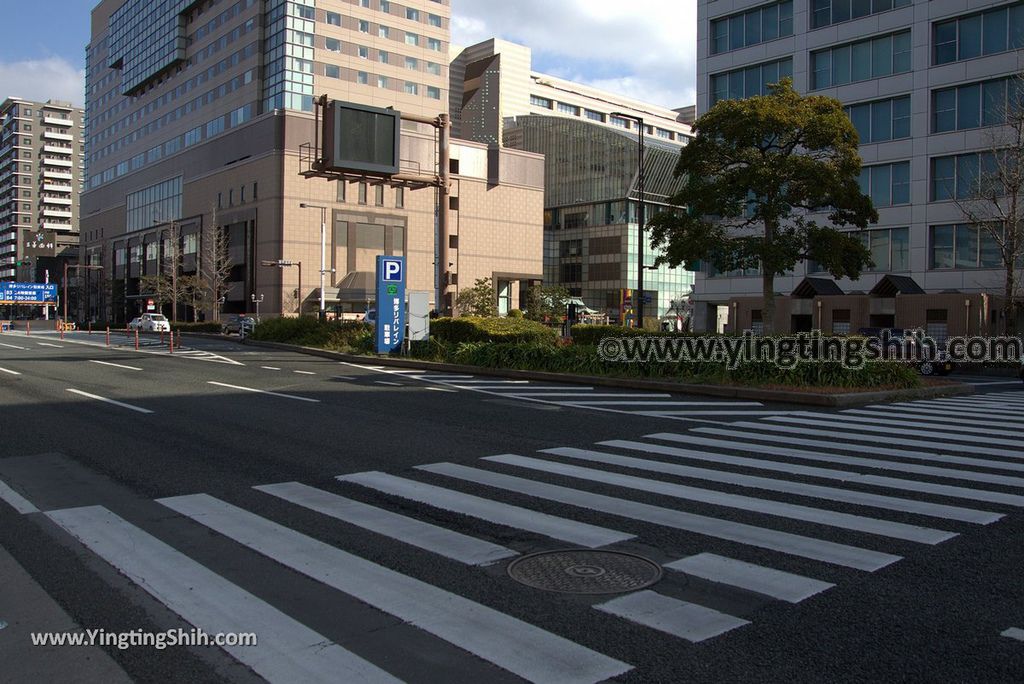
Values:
[(359, 138), (28, 293), (390, 303)]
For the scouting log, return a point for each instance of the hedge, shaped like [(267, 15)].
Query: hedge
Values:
[(205, 327), (500, 330), (308, 331), (592, 334)]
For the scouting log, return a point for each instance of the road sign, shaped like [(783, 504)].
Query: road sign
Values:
[(390, 303), (28, 293)]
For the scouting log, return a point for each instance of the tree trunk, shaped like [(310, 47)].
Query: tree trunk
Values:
[(768, 283), (1010, 306)]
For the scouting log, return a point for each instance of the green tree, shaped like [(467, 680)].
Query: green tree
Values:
[(760, 176), (479, 300), (546, 302)]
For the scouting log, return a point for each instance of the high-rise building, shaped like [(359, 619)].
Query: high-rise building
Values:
[(196, 115), (590, 141), (40, 178), (926, 84)]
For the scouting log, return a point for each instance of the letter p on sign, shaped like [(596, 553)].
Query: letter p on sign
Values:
[(392, 271)]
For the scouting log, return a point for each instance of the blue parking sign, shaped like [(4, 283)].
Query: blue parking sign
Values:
[(390, 303)]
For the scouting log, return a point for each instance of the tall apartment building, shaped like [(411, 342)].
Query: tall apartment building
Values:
[(925, 83), (196, 115), (40, 178), (591, 160)]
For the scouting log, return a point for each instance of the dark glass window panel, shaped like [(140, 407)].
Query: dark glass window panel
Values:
[(944, 110), (969, 37), (944, 40), (993, 102), (881, 121), (901, 118), (994, 31), (942, 246), (968, 106), (841, 65)]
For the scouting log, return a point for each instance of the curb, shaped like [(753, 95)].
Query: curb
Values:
[(725, 392)]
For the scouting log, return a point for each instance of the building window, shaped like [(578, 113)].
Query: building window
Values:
[(363, 52), (362, 193), (332, 71), (751, 27), (569, 109), (889, 248), (881, 120), (860, 61), (841, 322), (434, 44), (433, 92), (985, 33), (618, 121), (334, 19), (399, 197), (974, 105), (886, 184), (963, 246), (379, 195), (411, 88), (412, 14), (434, 20), (828, 12), (594, 116), (382, 81), (434, 68), (332, 44), (411, 39), (412, 63), (341, 190), (750, 81), (962, 176), (538, 101), (383, 32), (364, 26), (385, 6), (362, 77)]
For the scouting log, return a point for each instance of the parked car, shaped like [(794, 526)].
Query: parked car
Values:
[(940, 365), (236, 324), (150, 322), (370, 317)]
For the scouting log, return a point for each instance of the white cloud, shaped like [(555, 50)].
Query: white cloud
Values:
[(51, 78), (645, 49)]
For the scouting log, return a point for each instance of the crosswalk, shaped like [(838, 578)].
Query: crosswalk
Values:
[(756, 513), (643, 403)]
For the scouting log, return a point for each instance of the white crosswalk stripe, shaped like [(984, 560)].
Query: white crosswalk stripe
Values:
[(784, 586), (941, 428), (666, 614), (928, 417), (840, 422)]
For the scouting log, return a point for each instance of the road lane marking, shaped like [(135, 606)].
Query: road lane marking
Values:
[(666, 614), (392, 384), (20, 503), (509, 643), (9, 371), (304, 372), (208, 601), (492, 511), (110, 401), (439, 389), (813, 491), (1014, 633), (814, 471), (12, 346), (274, 368), (741, 533), (941, 427), (845, 521), (439, 540), (667, 403), (978, 419), (259, 391), (47, 344), (115, 365), (784, 586), (336, 377)]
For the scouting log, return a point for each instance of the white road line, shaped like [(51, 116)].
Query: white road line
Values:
[(957, 405), (439, 389), (941, 427), (873, 439), (11, 346), (439, 540), (48, 344), (775, 583), (994, 382), (1014, 633), (507, 642), (273, 368), (956, 413), (979, 419), (16, 500), (666, 614), (491, 382), (336, 377), (115, 365), (392, 384), (9, 371), (137, 409), (259, 391), (583, 396), (786, 486), (841, 422), (494, 389), (813, 471), (664, 414), (667, 403), (492, 511), (876, 464), (290, 652), (820, 516), (304, 372), (761, 537)]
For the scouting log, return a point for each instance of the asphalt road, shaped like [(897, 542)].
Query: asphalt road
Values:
[(148, 491)]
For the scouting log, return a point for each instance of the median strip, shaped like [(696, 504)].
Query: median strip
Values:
[(137, 409), (259, 391)]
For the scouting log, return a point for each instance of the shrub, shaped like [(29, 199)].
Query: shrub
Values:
[(205, 327), (308, 331), (592, 334), (502, 330), (515, 313)]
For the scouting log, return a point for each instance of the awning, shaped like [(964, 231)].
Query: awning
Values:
[(892, 285), (816, 287), (355, 287)]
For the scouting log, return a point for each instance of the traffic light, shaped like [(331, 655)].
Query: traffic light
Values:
[(23, 262)]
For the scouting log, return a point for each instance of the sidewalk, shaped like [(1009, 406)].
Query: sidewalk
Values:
[(25, 608)]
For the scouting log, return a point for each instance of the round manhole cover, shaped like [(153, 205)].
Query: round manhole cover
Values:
[(582, 571)]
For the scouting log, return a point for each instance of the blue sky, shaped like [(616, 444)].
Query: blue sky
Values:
[(645, 49)]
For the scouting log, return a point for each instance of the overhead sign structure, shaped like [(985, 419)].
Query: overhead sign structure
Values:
[(28, 293), (390, 303), (359, 138)]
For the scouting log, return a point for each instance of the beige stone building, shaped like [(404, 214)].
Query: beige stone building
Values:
[(195, 126)]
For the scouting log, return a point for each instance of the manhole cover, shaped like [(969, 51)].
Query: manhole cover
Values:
[(582, 571)]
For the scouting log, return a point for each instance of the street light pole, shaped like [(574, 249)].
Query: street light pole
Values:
[(323, 253), (641, 217), (88, 267), (257, 303)]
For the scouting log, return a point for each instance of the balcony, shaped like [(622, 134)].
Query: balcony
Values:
[(6, 237), (63, 227), (8, 261), (58, 150), (9, 273), (47, 135), (54, 187), (54, 121), (57, 213), (51, 161), (62, 201), (58, 175)]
